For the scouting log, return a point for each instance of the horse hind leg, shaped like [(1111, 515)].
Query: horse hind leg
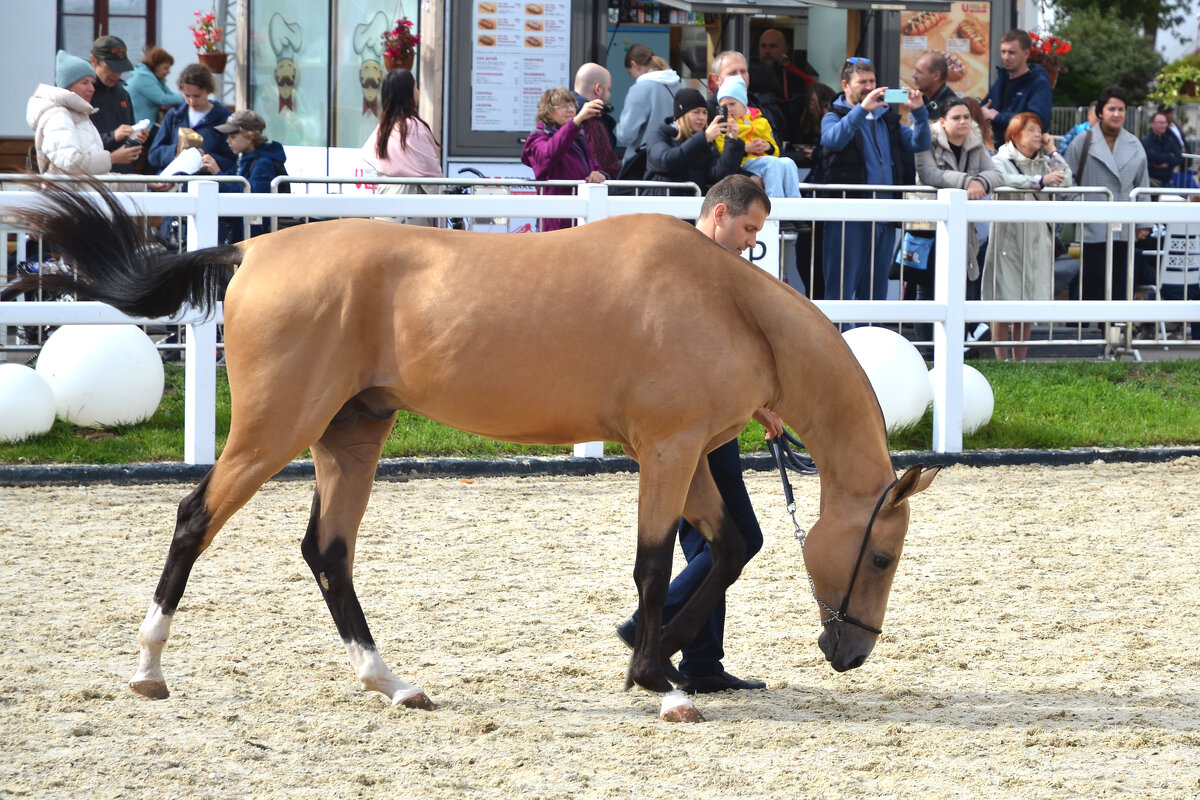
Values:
[(259, 446), (345, 459)]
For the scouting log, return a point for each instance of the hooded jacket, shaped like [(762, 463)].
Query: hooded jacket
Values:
[(649, 103), (1011, 96), (261, 165), (64, 137)]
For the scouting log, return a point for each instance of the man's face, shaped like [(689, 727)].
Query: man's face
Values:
[(923, 77), (1158, 124), (859, 86), (738, 233), (1013, 56), (106, 75), (604, 90), (772, 47), (733, 65)]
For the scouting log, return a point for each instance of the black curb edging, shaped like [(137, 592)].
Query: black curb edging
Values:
[(401, 469)]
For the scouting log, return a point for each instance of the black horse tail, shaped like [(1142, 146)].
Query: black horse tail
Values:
[(112, 261)]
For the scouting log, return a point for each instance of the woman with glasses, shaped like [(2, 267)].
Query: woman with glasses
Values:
[(557, 149)]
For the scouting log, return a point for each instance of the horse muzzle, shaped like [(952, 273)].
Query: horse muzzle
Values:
[(846, 647)]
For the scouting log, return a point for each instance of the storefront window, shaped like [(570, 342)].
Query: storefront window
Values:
[(289, 69), (359, 26)]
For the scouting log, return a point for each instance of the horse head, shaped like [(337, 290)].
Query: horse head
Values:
[(851, 555)]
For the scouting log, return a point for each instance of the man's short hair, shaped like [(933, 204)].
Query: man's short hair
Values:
[(719, 60), (738, 193), (937, 63), (587, 76), (1020, 37), (1111, 93), (856, 64)]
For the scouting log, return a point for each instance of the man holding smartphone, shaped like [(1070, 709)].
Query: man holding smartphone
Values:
[(864, 142)]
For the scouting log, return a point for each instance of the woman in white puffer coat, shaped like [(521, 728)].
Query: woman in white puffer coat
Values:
[(65, 139)]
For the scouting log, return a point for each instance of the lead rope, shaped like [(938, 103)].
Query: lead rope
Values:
[(786, 459)]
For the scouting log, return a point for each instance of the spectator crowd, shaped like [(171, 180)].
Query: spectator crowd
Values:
[(769, 119)]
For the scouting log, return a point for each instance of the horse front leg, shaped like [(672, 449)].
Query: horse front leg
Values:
[(706, 510), (345, 460), (661, 493)]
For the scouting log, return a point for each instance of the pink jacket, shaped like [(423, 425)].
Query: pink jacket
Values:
[(419, 158)]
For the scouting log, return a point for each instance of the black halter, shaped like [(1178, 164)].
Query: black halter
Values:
[(840, 615), (778, 449)]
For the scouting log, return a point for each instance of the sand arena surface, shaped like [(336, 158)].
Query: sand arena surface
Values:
[(1043, 641)]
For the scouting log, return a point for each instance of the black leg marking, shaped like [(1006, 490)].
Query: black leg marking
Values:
[(332, 571), (188, 543)]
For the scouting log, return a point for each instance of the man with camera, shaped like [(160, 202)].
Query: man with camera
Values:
[(594, 82), (864, 142)]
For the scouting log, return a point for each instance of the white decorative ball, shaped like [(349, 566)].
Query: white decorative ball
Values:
[(978, 399), (26, 403), (102, 374), (897, 373)]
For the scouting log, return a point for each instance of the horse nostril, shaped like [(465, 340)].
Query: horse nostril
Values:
[(856, 662)]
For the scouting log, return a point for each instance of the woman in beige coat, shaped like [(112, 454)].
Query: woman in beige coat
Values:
[(1020, 259)]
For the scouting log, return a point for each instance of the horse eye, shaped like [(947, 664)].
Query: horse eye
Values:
[(881, 562)]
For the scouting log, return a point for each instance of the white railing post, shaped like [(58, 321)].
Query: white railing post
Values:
[(200, 355), (950, 293), (596, 195)]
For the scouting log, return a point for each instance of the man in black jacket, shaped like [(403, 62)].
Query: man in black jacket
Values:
[(929, 76), (114, 108)]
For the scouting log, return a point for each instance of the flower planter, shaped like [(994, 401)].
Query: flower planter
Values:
[(403, 62), (214, 61)]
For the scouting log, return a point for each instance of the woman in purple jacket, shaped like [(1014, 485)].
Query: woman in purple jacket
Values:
[(557, 150)]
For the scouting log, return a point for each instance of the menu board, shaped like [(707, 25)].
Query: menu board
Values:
[(962, 34), (517, 52)]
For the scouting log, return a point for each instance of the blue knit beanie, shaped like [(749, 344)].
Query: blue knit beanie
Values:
[(734, 87), (69, 68)]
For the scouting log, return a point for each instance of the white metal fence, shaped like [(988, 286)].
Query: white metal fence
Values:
[(947, 312)]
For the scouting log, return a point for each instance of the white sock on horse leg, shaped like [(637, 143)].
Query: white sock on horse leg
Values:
[(375, 676), (152, 636)]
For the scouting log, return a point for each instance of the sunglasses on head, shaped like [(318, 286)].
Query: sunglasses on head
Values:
[(858, 60)]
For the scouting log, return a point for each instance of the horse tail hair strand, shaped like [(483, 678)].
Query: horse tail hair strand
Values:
[(112, 260)]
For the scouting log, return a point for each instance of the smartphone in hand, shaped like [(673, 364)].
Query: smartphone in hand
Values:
[(895, 96)]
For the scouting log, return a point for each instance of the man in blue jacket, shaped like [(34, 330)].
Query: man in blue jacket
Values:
[(863, 142), (1020, 86), (1163, 154)]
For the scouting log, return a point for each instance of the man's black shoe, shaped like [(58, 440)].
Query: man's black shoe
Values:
[(721, 682), (626, 631)]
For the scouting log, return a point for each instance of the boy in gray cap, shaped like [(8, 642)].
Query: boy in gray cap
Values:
[(114, 107)]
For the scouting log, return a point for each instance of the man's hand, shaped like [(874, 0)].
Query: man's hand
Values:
[(915, 99), (771, 421), (989, 113), (126, 155), (874, 100)]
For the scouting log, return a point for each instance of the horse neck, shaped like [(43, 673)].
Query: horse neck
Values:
[(826, 397)]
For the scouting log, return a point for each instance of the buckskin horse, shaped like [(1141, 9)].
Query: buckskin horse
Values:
[(637, 329)]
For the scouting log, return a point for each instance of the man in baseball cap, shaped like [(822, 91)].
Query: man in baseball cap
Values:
[(114, 108)]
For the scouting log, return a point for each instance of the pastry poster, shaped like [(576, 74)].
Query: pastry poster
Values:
[(518, 51), (962, 33)]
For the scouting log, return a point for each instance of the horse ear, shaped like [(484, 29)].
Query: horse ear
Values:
[(915, 479)]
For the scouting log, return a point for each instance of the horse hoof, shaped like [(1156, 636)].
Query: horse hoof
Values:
[(420, 701), (153, 689), (683, 714)]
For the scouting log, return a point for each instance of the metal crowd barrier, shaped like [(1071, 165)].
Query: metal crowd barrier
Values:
[(950, 211)]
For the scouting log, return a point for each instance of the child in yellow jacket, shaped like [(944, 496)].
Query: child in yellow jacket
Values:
[(780, 176)]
